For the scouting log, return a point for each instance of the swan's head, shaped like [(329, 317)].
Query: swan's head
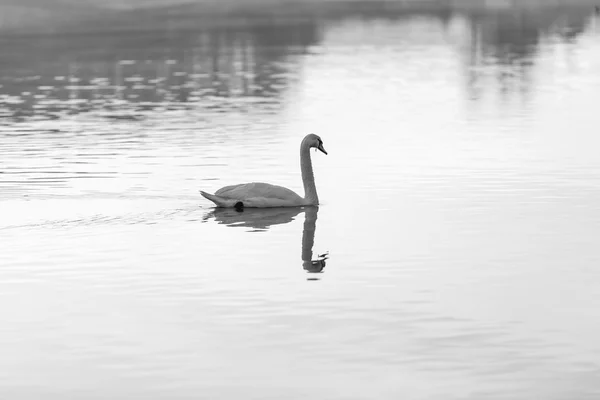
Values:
[(315, 141)]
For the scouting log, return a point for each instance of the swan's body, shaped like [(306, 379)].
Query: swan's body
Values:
[(262, 195), (255, 194)]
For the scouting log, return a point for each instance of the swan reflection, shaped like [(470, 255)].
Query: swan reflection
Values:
[(308, 240), (261, 219)]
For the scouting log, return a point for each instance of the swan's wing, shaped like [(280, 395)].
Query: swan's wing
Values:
[(256, 190), (218, 200)]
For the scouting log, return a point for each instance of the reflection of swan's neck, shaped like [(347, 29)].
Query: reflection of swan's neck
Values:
[(308, 177), (308, 240), (308, 233)]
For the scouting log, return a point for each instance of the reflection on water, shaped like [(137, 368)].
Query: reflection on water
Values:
[(256, 218), (308, 239), (126, 76), (510, 41), (261, 220)]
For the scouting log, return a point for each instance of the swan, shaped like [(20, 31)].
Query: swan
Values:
[(263, 195)]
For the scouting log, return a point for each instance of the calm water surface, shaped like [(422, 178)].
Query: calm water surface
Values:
[(460, 211)]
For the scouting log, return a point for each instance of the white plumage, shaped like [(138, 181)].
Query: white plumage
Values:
[(262, 195)]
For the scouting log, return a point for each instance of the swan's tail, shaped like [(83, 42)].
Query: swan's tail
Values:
[(219, 201)]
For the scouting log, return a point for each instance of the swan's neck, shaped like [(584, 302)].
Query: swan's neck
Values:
[(308, 177)]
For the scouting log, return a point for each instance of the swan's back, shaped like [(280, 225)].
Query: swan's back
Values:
[(245, 191)]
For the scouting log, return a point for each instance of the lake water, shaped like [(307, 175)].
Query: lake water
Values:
[(453, 256)]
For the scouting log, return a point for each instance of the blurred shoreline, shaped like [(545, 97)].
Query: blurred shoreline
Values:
[(33, 17)]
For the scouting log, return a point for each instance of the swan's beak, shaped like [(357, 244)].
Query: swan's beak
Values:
[(322, 148)]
